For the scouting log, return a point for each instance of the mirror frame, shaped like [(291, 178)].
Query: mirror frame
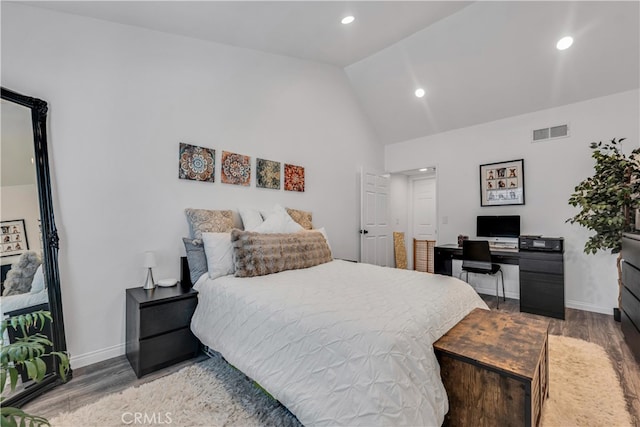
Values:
[(50, 242)]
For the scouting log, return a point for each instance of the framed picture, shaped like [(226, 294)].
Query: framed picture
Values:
[(502, 183), (13, 238)]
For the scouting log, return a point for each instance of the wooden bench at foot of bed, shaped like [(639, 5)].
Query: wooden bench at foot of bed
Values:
[(495, 368)]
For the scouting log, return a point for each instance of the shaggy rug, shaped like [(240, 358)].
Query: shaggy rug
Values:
[(584, 391)]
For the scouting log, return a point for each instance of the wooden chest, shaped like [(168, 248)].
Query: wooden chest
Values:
[(494, 366)]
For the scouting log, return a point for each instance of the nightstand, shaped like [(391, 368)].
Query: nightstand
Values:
[(158, 327)]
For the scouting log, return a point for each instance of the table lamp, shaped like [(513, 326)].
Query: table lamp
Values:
[(149, 262)]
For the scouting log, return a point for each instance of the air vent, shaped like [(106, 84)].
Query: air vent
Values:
[(553, 132)]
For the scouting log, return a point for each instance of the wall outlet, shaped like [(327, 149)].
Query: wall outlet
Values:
[(445, 220)]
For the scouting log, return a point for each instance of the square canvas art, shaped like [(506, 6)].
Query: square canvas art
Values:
[(267, 174), (236, 168), (196, 163), (293, 178)]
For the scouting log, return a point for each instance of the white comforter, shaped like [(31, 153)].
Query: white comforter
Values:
[(340, 343)]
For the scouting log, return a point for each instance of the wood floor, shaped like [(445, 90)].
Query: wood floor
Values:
[(113, 375)]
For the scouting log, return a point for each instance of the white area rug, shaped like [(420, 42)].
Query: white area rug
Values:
[(584, 391)]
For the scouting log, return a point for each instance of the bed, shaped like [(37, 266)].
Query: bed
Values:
[(339, 343)]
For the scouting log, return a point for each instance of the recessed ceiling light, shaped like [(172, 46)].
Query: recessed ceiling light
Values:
[(348, 19), (423, 170), (564, 43), (420, 92)]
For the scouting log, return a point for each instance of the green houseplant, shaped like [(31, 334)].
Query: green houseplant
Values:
[(27, 353), (608, 200)]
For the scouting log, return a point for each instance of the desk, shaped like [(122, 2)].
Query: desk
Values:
[(541, 276), (444, 254)]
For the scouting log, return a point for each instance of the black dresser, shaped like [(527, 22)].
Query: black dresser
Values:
[(630, 292)]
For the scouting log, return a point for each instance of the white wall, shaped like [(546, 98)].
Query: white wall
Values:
[(552, 170), (21, 202), (121, 99)]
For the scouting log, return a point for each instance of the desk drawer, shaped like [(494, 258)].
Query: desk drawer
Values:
[(542, 266), (542, 293)]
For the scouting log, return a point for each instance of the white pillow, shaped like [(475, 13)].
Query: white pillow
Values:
[(219, 253), (278, 221), (37, 284), (251, 218)]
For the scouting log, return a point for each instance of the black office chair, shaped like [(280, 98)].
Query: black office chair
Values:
[(476, 258)]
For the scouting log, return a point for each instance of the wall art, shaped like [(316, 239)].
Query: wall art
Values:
[(13, 238), (197, 163), (236, 168), (502, 183), (267, 174), (293, 178)]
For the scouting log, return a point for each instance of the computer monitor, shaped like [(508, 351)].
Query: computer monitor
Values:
[(498, 226)]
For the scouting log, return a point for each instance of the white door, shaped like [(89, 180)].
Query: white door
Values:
[(375, 229), (424, 209)]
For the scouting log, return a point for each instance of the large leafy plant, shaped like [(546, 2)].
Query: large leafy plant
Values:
[(608, 199), (26, 353)]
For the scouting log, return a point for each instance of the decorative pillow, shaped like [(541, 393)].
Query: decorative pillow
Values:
[(196, 258), (38, 284), (301, 217), (251, 218), (20, 277), (258, 254), (207, 221), (219, 252), (278, 221)]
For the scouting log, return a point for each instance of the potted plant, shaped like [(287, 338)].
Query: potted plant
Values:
[(608, 200), (26, 353)]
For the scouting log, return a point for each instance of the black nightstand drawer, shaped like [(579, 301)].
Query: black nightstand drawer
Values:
[(167, 349), (161, 318)]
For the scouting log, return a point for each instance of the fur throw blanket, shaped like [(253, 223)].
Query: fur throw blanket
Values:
[(20, 277)]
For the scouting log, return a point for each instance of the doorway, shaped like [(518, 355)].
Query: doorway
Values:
[(423, 209)]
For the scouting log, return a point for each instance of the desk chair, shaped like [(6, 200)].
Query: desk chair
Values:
[(476, 258)]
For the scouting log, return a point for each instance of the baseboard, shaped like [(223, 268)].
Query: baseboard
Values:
[(97, 356), (578, 305)]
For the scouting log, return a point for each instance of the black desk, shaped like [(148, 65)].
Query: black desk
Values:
[(541, 276), (444, 254)]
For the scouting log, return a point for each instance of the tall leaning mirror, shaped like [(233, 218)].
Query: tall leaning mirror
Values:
[(28, 238)]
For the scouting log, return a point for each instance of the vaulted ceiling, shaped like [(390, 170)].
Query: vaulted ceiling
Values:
[(477, 61)]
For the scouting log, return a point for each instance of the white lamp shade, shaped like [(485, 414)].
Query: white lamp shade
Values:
[(149, 259)]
